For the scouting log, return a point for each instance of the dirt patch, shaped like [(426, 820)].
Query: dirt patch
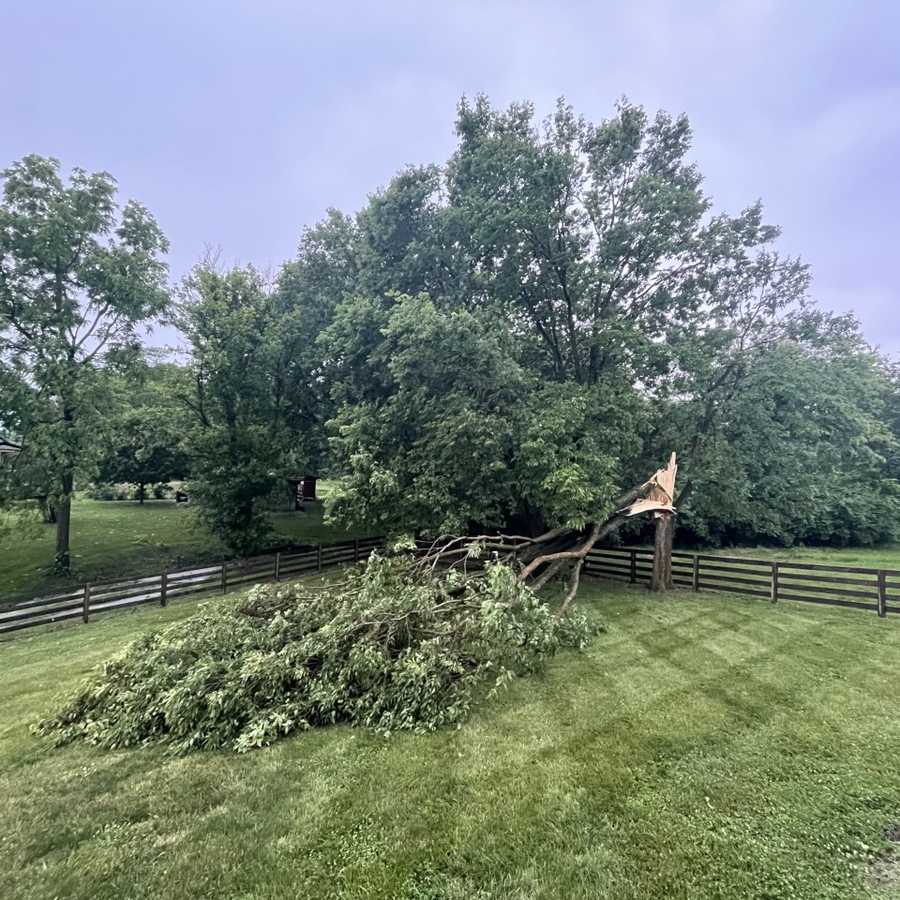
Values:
[(884, 871)]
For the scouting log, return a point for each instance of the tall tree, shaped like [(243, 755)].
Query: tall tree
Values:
[(237, 443), (77, 276), (589, 256)]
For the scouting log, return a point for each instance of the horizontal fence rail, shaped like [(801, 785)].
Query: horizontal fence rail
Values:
[(92, 599), (854, 587), (876, 590)]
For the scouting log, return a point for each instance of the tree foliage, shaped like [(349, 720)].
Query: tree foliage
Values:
[(143, 436), (237, 440), (76, 278), (443, 429), (519, 336), (386, 649)]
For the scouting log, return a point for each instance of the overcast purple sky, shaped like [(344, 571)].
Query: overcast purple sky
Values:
[(238, 123)]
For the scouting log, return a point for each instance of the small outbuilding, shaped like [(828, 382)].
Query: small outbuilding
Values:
[(302, 490)]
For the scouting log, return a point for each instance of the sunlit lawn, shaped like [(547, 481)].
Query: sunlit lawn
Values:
[(117, 538), (705, 746)]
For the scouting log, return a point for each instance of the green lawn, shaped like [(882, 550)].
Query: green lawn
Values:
[(881, 557), (112, 538), (704, 746)]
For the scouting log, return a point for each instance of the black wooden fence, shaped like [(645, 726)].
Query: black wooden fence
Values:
[(877, 590), (93, 599)]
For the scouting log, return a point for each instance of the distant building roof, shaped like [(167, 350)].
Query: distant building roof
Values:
[(8, 446)]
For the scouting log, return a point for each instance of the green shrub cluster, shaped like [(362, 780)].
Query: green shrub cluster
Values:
[(158, 491), (390, 647)]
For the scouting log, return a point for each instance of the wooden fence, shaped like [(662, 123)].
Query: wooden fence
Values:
[(877, 590), (93, 599)]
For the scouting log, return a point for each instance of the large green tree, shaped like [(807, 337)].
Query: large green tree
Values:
[(238, 440), (77, 276), (630, 317)]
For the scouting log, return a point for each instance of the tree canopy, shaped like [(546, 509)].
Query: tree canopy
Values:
[(516, 336), (76, 278), (510, 340)]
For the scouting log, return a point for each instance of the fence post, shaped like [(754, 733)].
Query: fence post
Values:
[(882, 593), (633, 573), (278, 566), (696, 578), (86, 605), (774, 593), (355, 549), (224, 577), (319, 557), (163, 588)]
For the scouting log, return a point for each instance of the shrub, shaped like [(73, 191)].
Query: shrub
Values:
[(101, 492), (388, 648), (110, 492)]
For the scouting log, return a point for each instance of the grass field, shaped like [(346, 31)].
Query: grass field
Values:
[(111, 538), (704, 746), (880, 557)]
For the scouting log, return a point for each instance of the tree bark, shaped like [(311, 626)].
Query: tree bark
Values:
[(63, 517), (662, 552)]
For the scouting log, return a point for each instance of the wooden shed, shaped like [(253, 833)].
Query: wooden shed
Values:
[(302, 490)]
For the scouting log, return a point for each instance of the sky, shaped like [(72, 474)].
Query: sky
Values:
[(239, 123)]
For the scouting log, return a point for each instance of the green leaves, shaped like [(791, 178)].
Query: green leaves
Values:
[(238, 440), (75, 281), (389, 648)]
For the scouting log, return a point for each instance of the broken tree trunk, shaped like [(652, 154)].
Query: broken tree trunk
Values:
[(662, 552)]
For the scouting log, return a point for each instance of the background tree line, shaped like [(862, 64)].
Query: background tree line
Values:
[(507, 340)]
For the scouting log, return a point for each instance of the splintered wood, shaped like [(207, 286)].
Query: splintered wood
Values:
[(660, 493)]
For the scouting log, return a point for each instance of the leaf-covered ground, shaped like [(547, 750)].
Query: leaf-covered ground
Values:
[(703, 747)]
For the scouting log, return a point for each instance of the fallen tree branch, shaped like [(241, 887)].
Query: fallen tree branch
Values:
[(541, 558)]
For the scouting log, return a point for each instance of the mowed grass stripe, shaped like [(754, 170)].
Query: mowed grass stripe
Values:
[(703, 746)]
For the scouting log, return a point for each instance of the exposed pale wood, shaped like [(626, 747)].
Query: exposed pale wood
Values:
[(659, 492)]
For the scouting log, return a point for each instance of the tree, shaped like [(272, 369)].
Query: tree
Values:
[(238, 442), (143, 441), (592, 268), (308, 291), (76, 278), (801, 452)]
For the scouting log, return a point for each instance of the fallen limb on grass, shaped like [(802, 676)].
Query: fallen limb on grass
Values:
[(387, 648)]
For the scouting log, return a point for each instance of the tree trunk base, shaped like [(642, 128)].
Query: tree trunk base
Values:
[(63, 563), (662, 553)]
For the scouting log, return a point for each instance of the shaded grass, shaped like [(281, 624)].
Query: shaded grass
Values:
[(113, 538), (705, 746)]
